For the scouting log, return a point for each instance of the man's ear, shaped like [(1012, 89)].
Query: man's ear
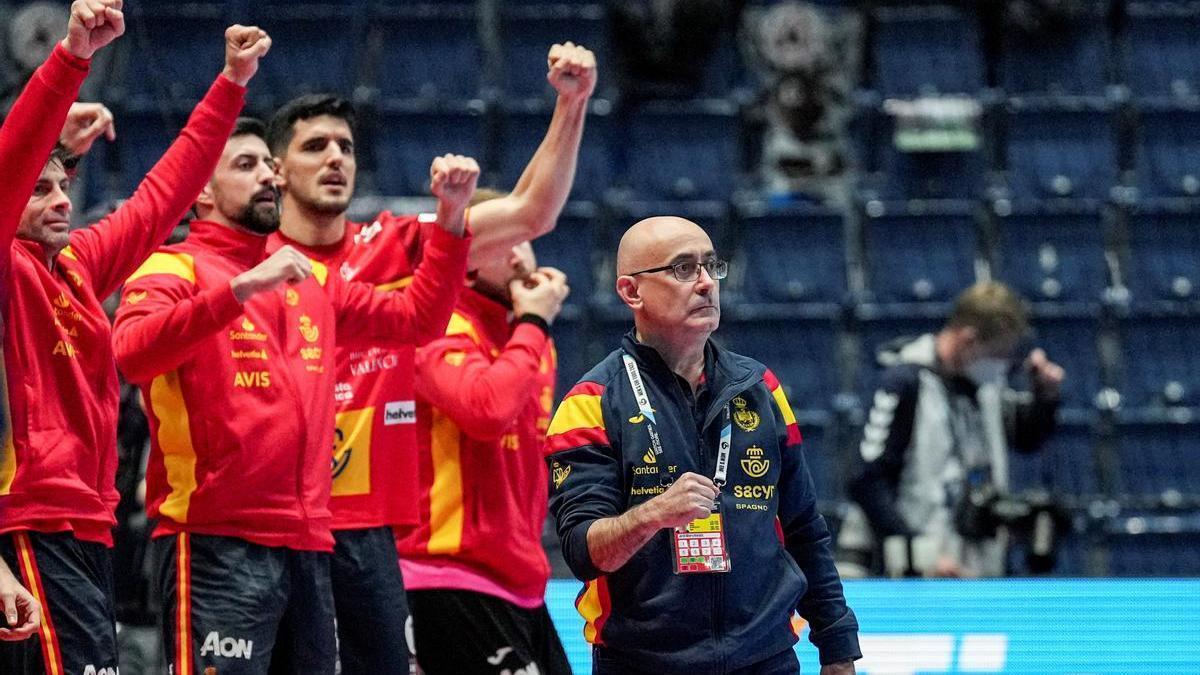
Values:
[(280, 181), (205, 198), (627, 290)]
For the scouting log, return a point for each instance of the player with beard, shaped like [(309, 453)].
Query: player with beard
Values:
[(375, 460), (234, 351), (61, 392)]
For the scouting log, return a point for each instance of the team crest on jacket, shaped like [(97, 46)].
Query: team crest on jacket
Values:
[(307, 329), (746, 419), (291, 297), (135, 297), (753, 463), (560, 474)]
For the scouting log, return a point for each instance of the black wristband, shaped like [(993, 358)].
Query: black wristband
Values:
[(535, 320)]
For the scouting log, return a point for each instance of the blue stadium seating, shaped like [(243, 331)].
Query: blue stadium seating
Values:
[(801, 351), (1164, 255), (570, 339), (1061, 148), (914, 256), (310, 51), (1163, 48), (570, 248), (1050, 253), (682, 150), (1161, 363), (900, 174), (822, 455), (791, 255), (427, 51), (1070, 59), (1158, 457), (1065, 466), (180, 74), (528, 31), (1071, 341), (408, 138), (926, 49), (1168, 150), (522, 129), (1155, 555)]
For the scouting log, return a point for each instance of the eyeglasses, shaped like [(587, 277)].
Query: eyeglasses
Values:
[(689, 270)]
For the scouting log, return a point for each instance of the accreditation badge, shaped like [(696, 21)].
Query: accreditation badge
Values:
[(700, 546)]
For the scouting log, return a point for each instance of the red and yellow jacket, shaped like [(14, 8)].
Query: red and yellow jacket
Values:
[(484, 396), (375, 444), (240, 398), (59, 457)]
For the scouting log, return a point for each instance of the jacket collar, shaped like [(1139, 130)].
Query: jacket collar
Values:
[(726, 373), (245, 248), (493, 316)]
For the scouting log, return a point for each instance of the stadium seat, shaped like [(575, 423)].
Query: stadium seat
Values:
[(1051, 253), (1073, 58), (801, 351), (1061, 148), (681, 150), (1168, 151), (570, 248), (822, 455), (306, 54), (528, 31), (1155, 555), (1161, 362), (791, 255), (178, 75), (407, 138), (926, 50), (919, 256), (428, 50), (1065, 465), (1163, 48), (522, 129), (1164, 255), (1072, 342), (570, 336), (1157, 457)]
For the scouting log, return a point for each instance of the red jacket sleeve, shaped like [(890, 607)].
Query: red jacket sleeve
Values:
[(31, 130), (414, 315), (483, 397), (161, 319), (113, 248)]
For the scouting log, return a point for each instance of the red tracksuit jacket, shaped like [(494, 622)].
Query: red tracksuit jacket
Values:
[(240, 398), (484, 397), (375, 445), (58, 467)]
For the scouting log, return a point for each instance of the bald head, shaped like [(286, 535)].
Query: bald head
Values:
[(656, 241)]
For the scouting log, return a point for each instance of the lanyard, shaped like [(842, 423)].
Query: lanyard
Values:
[(643, 402)]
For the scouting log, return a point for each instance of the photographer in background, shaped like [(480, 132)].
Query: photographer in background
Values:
[(935, 448)]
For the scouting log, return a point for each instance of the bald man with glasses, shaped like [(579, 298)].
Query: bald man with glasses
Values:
[(680, 489)]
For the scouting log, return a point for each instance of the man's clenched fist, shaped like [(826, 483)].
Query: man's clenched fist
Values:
[(287, 265), (452, 180), (93, 24), (572, 71), (244, 46)]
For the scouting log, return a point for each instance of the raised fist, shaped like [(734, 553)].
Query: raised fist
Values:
[(85, 123), (452, 180), (244, 46), (572, 71), (287, 265), (93, 24)]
